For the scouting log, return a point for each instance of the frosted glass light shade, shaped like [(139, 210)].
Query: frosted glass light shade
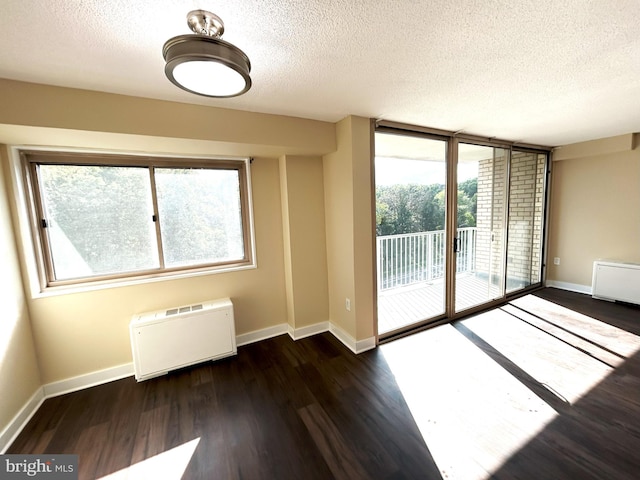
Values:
[(209, 78)]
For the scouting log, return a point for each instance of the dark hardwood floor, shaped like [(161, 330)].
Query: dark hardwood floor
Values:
[(530, 390)]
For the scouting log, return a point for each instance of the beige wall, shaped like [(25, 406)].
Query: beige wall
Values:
[(363, 226), (595, 207), (338, 201), (235, 132), (19, 374), (349, 225), (305, 251)]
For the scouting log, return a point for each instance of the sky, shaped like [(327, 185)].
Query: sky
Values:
[(393, 171)]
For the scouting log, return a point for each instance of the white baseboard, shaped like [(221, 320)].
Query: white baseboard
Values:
[(87, 380), (308, 331), (262, 334), (356, 346), (572, 287), (366, 344), (304, 332), (19, 421)]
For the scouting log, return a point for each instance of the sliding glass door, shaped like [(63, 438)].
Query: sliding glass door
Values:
[(480, 224), (410, 229), (458, 225)]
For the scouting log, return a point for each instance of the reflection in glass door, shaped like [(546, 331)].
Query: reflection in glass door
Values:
[(410, 177), (526, 215), (480, 225)]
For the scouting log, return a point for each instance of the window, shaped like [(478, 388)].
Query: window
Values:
[(106, 217)]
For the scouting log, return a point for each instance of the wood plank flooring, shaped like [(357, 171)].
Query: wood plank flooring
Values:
[(531, 390), (597, 435), (280, 410)]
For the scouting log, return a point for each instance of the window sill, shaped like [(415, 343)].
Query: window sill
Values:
[(59, 290)]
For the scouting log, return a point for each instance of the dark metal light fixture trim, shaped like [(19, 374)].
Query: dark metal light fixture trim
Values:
[(198, 63)]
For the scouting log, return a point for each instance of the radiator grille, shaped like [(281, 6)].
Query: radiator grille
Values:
[(189, 308)]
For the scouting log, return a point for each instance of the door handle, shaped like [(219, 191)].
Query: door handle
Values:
[(456, 244)]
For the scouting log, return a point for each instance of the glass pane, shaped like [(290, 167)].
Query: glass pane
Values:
[(410, 229), (480, 224), (525, 219), (200, 215), (99, 219)]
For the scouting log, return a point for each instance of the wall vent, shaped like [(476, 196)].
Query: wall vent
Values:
[(187, 309)]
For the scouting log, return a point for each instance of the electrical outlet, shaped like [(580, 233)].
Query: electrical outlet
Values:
[(347, 304), (556, 260)]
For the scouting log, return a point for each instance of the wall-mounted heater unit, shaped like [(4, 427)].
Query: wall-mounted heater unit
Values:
[(616, 281), (177, 337)]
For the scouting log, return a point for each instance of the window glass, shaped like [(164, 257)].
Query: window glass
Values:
[(98, 219), (200, 215), (101, 217)]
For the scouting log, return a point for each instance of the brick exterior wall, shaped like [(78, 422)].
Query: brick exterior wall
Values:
[(525, 218), (490, 213), (524, 221)]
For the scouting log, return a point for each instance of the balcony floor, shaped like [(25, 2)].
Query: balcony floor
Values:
[(402, 306)]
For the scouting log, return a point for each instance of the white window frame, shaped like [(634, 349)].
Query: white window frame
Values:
[(31, 235)]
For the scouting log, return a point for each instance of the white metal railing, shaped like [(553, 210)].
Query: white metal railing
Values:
[(411, 258)]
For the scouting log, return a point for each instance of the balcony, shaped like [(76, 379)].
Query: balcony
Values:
[(413, 258), (411, 270)]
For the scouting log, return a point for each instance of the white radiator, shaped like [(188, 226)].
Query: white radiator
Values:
[(177, 337), (616, 281)]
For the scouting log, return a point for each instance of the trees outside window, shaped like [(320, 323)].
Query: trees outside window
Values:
[(412, 208), (107, 216)]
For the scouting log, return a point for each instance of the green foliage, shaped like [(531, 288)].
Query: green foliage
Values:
[(101, 218), (415, 208), (467, 203), (200, 222)]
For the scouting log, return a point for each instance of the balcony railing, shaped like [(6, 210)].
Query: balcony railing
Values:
[(420, 257)]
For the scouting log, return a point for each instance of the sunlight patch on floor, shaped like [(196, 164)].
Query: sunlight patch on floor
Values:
[(169, 465), (562, 369), (473, 415), (612, 338)]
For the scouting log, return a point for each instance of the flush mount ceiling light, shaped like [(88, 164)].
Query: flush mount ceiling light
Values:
[(205, 64)]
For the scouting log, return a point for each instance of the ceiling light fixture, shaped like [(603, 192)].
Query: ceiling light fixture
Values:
[(205, 64)]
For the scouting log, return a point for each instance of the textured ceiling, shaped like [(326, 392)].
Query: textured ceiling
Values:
[(544, 72)]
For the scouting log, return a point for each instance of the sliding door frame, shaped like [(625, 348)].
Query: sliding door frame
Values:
[(430, 135), (452, 179), (453, 139)]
